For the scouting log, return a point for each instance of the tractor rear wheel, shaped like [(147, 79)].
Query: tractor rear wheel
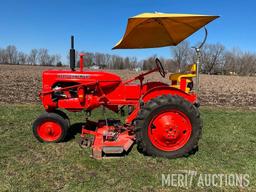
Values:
[(168, 126), (50, 127)]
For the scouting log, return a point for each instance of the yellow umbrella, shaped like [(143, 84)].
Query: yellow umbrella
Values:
[(150, 30)]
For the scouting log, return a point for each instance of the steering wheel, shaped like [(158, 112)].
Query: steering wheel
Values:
[(160, 67)]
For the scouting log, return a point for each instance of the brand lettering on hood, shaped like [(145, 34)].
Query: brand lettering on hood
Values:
[(73, 76)]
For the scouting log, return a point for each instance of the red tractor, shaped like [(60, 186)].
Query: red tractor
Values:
[(163, 120)]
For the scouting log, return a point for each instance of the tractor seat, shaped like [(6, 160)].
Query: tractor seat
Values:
[(183, 81)]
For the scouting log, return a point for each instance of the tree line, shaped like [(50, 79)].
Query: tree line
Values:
[(109, 61), (11, 55), (215, 59)]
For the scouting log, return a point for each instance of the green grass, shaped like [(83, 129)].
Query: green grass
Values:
[(228, 146)]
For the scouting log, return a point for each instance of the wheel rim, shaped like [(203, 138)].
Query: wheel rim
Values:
[(49, 131), (170, 130)]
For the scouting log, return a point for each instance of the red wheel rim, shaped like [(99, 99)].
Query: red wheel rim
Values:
[(49, 131), (170, 130)]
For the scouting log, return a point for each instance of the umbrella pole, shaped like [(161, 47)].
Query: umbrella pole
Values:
[(198, 57)]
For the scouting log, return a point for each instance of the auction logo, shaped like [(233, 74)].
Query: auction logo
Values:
[(188, 178)]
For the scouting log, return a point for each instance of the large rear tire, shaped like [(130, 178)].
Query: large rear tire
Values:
[(50, 127), (168, 126)]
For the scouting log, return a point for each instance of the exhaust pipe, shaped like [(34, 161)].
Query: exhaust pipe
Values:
[(72, 55)]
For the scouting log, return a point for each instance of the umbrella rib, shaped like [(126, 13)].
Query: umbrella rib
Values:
[(160, 23), (191, 26), (194, 28)]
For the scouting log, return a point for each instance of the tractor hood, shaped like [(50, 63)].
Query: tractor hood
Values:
[(104, 78)]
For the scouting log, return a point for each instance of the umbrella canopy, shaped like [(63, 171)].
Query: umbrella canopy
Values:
[(149, 30)]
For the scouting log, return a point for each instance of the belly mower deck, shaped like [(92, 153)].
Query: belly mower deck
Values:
[(108, 139)]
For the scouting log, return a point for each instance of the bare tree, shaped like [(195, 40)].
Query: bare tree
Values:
[(99, 58), (3, 56), (33, 56), (43, 57), (212, 58), (22, 58), (54, 59), (126, 61), (149, 63), (108, 60), (11, 54), (182, 55), (57, 59), (169, 65), (118, 62), (133, 62), (51, 60), (248, 62)]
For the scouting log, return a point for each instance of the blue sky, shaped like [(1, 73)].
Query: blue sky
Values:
[(99, 24)]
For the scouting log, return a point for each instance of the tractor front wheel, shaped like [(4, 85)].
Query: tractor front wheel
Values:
[(50, 127), (168, 126)]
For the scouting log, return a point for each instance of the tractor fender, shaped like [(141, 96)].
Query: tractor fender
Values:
[(156, 92), (165, 90)]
